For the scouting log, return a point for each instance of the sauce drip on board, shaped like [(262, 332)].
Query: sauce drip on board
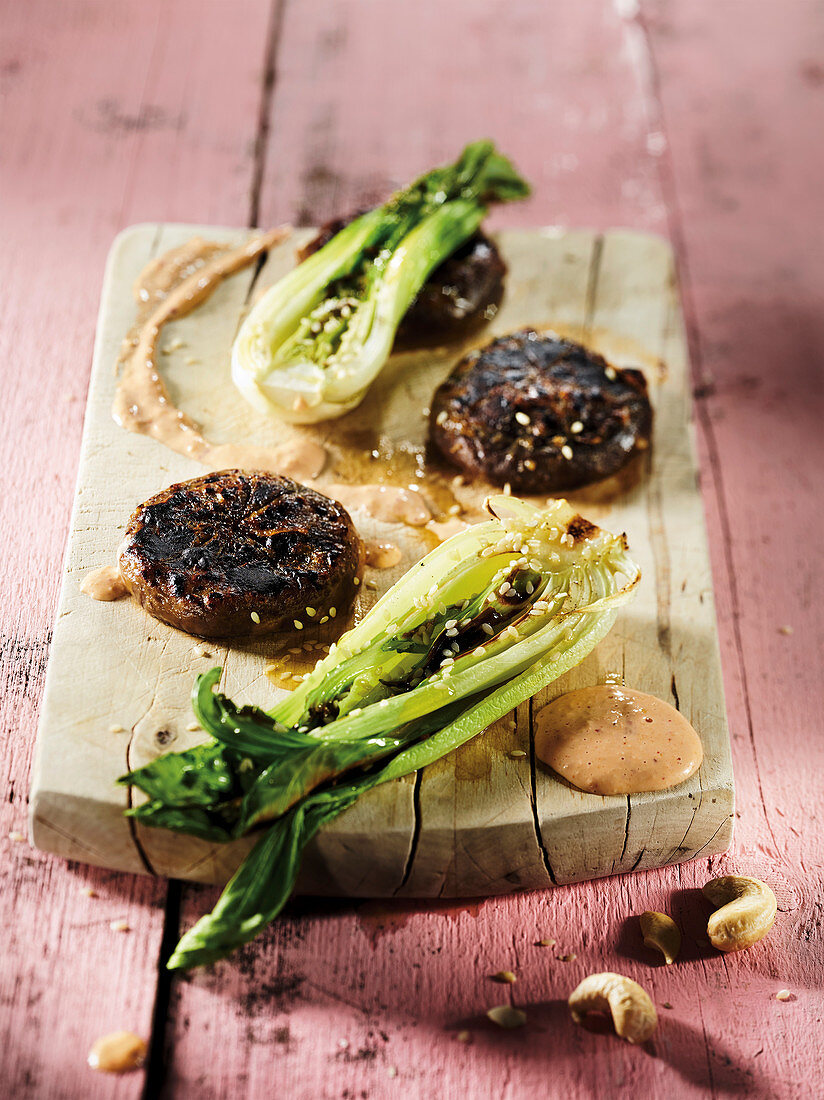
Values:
[(119, 1052), (104, 583), (382, 555), (609, 739), (168, 288)]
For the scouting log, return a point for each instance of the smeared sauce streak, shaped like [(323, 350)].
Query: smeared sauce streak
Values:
[(168, 288), (104, 583), (614, 740)]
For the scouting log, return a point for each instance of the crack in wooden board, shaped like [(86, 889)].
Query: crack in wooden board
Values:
[(478, 821)]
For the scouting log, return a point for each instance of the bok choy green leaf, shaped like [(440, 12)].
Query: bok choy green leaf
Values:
[(475, 628), (317, 339)]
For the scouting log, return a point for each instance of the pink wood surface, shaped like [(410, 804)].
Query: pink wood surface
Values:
[(700, 120)]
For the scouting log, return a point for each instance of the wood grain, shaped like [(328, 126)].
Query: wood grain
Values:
[(699, 119)]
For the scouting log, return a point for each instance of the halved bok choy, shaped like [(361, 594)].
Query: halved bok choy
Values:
[(475, 628), (318, 338)]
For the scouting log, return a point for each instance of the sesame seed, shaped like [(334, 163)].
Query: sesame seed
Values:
[(785, 630), (464, 1037), (507, 490), (325, 619), (487, 629), (517, 754), (441, 417), (255, 617), (478, 651), (311, 612), (192, 726), (332, 612), (576, 427), (783, 995), (120, 926), (452, 632), (566, 451), (522, 418), (455, 510), (545, 943), (297, 624), (16, 836), (116, 729), (610, 373), (529, 464)]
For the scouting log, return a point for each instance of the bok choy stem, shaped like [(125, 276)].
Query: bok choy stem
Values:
[(318, 338)]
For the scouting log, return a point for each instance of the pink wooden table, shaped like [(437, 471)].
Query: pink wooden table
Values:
[(702, 121)]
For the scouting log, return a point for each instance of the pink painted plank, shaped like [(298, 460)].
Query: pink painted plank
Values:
[(111, 113), (366, 99)]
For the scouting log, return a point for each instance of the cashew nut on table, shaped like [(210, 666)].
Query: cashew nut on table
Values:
[(745, 909), (661, 932), (633, 1013)]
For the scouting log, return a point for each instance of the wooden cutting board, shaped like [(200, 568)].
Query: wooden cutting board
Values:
[(479, 821)]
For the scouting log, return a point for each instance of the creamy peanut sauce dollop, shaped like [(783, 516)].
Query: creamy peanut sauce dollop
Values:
[(118, 1052), (104, 583), (609, 739)]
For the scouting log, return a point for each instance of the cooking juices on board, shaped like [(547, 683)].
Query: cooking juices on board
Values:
[(614, 740)]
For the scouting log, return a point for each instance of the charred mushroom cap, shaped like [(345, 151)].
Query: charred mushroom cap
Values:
[(239, 553), (540, 413)]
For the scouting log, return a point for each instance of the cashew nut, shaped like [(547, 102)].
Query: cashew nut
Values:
[(633, 1013), (745, 909), (661, 932)]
